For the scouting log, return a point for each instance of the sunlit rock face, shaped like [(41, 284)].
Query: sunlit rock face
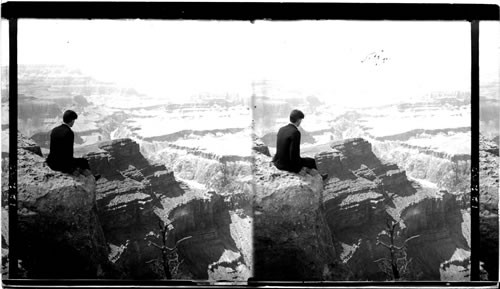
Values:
[(488, 205), (60, 235), (444, 170)]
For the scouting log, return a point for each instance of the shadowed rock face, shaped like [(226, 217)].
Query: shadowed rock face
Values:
[(59, 232), (216, 211), (208, 224), (129, 193), (133, 195), (443, 224), (361, 193)]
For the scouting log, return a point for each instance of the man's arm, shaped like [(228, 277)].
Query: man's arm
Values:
[(295, 148)]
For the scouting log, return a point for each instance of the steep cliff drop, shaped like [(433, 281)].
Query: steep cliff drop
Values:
[(332, 227), (59, 231), (292, 240), (202, 202), (217, 212)]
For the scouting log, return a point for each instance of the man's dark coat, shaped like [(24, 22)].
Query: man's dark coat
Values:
[(61, 149), (287, 155)]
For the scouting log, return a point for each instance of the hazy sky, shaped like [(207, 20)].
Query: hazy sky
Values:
[(182, 58)]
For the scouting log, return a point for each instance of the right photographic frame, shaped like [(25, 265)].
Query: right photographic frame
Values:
[(383, 110)]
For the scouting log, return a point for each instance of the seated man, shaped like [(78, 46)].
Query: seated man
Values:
[(61, 148), (287, 155)]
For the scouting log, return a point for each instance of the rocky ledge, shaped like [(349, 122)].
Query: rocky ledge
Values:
[(292, 240), (59, 232)]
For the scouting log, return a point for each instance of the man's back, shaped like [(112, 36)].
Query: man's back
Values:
[(61, 148), (287, 155)]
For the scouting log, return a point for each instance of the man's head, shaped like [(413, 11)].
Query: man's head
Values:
[(296, 117), (69, 117)]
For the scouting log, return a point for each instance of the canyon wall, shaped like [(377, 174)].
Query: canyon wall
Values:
[(217, 213), (451, 172)]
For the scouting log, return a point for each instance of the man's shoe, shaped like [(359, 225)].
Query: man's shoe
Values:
[(97, 177), (324, 177)]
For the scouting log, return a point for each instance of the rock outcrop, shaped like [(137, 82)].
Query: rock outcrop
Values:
[(60, 235), (488, 205), (292, 240)]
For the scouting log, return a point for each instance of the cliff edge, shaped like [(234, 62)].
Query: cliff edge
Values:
[(292, 240), (59, 234)]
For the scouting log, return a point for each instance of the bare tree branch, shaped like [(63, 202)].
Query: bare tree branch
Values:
[(183, 239), (412, 237)]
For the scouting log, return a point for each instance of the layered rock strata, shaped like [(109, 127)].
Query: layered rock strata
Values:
[(451, 172)]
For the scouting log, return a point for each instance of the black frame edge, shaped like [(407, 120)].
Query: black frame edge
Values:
[(474, 195), (12, 200), (250, 10)]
